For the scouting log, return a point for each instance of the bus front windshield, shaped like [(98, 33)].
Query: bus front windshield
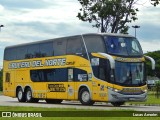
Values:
[(129, 74), (123, 46)]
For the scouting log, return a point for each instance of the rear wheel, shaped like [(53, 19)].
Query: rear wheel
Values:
[(117, 104), (20, 95), (28, 96), (85, 97), (54, 101)]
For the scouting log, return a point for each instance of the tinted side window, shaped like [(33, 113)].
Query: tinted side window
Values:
[(37, 75), (49, 75), (6, 54), (7, 77), (102, 71), (74, 45), (61, 75), (46, 49), (10, 54), (59, 46), (33, 51), (22, 52), (94, 44), (80, 75)]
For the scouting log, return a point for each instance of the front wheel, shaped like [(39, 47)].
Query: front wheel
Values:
[(117, 104), (20, 95), (85, 97)]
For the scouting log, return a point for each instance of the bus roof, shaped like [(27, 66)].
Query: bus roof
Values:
[(87, 34)]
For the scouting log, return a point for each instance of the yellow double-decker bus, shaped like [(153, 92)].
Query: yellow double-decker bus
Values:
[(88, 68)]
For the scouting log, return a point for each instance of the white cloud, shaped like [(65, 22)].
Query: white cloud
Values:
[(148, 46), (31, 21), (147, 12), (1, 8), (61, 11)]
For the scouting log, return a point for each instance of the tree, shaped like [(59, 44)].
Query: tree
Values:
[(110, 15), (157, 88), (156, 56)]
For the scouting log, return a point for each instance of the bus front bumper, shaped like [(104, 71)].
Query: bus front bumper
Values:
[(118, 97)]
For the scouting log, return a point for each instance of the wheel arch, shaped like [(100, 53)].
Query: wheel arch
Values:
[(84, 86), (26, 87)]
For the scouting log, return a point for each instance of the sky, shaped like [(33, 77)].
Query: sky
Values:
[(33, 20)]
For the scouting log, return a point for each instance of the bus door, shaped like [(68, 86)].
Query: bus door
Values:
[(71, 85), (9, 84)]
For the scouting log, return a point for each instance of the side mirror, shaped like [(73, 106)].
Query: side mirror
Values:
[(110, 58), (152, 61)]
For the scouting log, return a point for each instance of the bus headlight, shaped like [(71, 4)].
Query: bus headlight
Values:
[(145, 90), (116, 90)]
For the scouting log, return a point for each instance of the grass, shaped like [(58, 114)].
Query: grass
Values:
[(1, 92), (12, 108), (23, 109)]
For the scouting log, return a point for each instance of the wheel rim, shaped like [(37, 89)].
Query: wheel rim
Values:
[(29, 95), (85, 96), (20, 93)]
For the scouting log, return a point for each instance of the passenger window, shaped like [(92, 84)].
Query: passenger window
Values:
[(70, 74), (22, 51), (61, 75), (46, 49), (80, 75), (49, 75), (33, 51), (94, 44), (7, 77), (74, 46), (102, 71), (59, 46), (10, 54)]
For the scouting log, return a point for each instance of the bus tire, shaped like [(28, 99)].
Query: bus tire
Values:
[(117, 104), (85, 97), (54, 101), (28, 96), (20, 95)]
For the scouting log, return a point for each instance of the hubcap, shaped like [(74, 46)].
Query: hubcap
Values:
[(85, 96), (20, 95), (29, 95)]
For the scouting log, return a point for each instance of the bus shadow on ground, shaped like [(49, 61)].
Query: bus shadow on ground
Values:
[(73, 103)]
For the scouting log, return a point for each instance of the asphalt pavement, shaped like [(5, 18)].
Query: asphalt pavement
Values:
[(8, 101)]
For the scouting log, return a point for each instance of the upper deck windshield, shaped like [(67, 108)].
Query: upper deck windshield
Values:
[(123, 46)]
